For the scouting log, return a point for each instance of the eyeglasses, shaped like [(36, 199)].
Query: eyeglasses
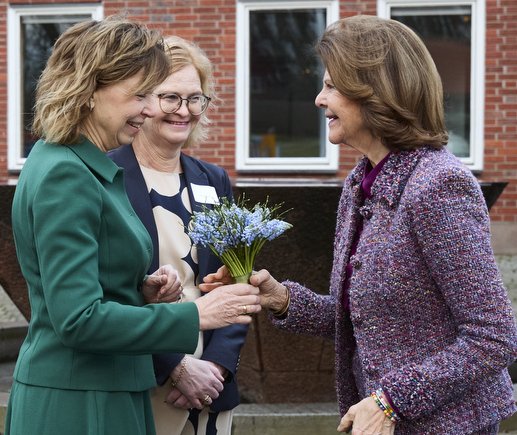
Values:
[(171, 103)]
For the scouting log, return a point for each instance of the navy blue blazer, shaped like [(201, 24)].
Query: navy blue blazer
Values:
[(221, 346)]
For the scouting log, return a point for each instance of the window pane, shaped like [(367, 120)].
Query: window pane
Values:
[(38, 35), (446, 32), (285, 77)]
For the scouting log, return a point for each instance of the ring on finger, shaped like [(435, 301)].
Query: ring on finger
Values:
[(207, 399)]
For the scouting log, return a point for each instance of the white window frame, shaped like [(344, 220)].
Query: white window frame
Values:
[(244, 162), (14, 82), (477, 68)]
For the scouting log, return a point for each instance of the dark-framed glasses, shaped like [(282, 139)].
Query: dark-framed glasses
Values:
[(171, 103)]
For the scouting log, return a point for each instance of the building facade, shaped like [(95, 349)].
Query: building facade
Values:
[(265, 125)]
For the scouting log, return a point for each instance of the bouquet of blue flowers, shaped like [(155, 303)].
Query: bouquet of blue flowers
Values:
[(236, 233)]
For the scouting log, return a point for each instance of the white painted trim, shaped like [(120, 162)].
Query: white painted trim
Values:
[(14, 84), (330, 162), (477, 68)]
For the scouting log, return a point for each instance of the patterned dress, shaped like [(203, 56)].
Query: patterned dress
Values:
[(172, 213)]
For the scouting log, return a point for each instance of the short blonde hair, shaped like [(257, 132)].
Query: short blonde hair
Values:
[(85, 57), (184, 53), (384, 66)]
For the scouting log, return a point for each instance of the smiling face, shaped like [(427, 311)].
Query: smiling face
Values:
[(346, 123), (171, 130), (117, 114)]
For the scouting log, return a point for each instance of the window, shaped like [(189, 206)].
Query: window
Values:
[(454, 33), (32, 32), (278, 76)]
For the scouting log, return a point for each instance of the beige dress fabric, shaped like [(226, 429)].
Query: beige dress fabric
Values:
[(175, 245)]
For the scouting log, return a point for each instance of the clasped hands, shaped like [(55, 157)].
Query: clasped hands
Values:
[(200, 384), (164, 285), (230, 304)]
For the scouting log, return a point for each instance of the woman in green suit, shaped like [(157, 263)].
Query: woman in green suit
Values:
[(85, 365)]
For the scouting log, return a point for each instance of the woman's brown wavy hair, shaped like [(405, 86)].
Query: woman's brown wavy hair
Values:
[(85, 57), (385, 66)]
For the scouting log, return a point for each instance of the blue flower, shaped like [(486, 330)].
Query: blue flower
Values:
[(235, 233)]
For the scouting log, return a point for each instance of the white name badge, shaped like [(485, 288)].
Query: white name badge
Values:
[(204, 194)]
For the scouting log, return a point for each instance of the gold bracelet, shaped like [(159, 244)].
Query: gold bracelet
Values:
[(282, 311), (180, 374)]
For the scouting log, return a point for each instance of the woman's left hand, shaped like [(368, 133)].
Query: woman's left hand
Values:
[(273, 295), (365, 418), (164, 285), (200, 385), (217, 279)]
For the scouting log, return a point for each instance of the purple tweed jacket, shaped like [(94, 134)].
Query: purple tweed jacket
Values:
[(430, 321)]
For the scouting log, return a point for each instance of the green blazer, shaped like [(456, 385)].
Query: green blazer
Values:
[(84, 252)]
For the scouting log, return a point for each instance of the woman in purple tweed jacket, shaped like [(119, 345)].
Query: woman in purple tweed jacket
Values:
[(423, 327)]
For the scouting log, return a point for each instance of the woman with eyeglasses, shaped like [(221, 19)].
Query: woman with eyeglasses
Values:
[(165, 187)]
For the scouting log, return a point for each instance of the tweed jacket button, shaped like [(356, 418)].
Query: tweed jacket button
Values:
[(366, 212), (357, 264)]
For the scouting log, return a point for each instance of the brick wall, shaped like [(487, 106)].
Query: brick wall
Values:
[(501, 104), (212, 24)]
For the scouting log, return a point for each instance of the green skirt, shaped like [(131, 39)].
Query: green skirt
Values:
[(35, 410)]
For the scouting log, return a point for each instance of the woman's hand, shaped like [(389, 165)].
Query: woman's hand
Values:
[(200, 383), (227, 305), (365, 418), (164, 285), (213, 280), (273, 295)]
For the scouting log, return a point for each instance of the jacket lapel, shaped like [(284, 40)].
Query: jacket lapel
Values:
[(347, 221), (193, 175), (387, 188), (391, 181), (95, 159), (136, 189)]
